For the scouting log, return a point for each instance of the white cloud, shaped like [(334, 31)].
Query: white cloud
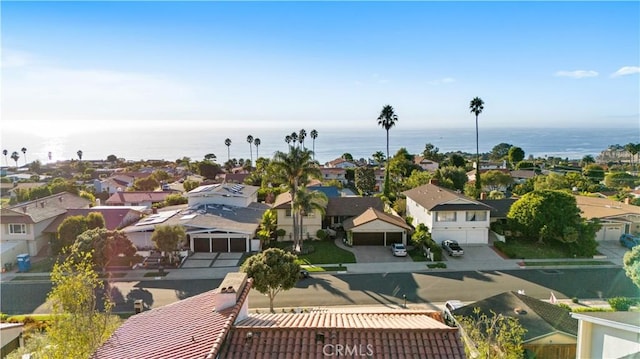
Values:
[(626, 70), (577, 74), (15, 58), (446, 80)]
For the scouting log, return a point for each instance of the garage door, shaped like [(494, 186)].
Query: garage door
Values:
[(368, 239), (201, 245), (611, 233), (394, 237), (238, 245), (220, 245)]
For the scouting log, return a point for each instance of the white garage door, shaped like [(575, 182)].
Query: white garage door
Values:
[(609, 232), (468, 236)]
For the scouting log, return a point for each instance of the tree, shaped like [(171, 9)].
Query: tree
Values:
[(347, 156), (268, 226), (210, 157), (302, 134), (431, 152), (250, 141), (457, 161), (105, 245), (308, 202), (593, 172), (587, 159), (273, 271), (314, 135), (95, 220), (78, 326), (257, 142), (379, 157), (387, 119), (496, 180), (288, 139), (451, 177), (145, 184), (629, 147), (68, 231), (15, 156), (516, 154), (209, 169), (79, 153), (492, 336), (552, 181), (500, 151), (227, 142), (476, 106), (365, 180), (24, 152), (294, 138), (293, 170), (190, 185), (112, 158), (4, 152), (620, 180), (167, 238), (631, 263), (417, 179)]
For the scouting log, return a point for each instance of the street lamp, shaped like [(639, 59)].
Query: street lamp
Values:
[(404, 296)]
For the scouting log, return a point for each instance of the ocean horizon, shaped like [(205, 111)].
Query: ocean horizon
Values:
[(195, 142)]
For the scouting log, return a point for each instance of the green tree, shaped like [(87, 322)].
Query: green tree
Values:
[(500, 151), (78, 326), (257, 143), (68, 231), (631, 263), (209, 170), (210, 157), (492, 336), (175, 199), (227, 142), (365, 180), (273, 271), (587, 159), (347, 156), (387, 119), (15, 157), (526, 165), (314, 135), (307, 202), (105, 246), (552, 181), (431, 152), (620, 180), (95, 220), (88, 196), (112, 159), (457, 161), (166, 238), (250, 141), (516, 154), (477, 106), (190, 185), (452, 177), (379, 157), (495, 180), (593, 172), (417, 179), (268, 226), (161, 175), (145, 184)]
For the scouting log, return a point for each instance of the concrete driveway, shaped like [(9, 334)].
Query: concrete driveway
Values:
[(376, 254), (612, 250)]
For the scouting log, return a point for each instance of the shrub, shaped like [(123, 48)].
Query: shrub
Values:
[(437, 265), (281, 233), (621, 304), (321, 234), (564, 306), (575, 300)]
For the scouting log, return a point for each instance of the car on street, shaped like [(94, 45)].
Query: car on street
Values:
[(629, 241), (304, 274), (452, 248), (399, 250)]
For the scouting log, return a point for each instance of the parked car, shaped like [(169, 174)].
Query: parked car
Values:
[(452, 305), (330, 232), (304, 274), (452, 248), (629, 241), (399, 250)]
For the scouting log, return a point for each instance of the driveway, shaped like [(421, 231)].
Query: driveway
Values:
[(212, 260), (612, 250), (376, 254)]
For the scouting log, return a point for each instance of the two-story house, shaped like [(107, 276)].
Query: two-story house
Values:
[(448, 214), (311, 223), (334, 173)]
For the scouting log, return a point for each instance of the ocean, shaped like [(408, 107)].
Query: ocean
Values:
[(196, 142)]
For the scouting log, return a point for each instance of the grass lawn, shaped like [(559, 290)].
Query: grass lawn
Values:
[(530, 249), (156, 274), (20, 317), (42, 266), (42, 277), (326, 252), (315, 269), (417, 255), (566, 263)]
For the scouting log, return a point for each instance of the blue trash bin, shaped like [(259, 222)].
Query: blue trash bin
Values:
[(24, 262)]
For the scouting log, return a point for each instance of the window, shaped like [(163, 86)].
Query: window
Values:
[(17, 228), (445, 216), (288, 212), (475, 216)]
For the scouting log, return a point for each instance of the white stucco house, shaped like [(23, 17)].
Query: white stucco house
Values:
[(608, 335), (616, 218), (448, 214), (224, 194)]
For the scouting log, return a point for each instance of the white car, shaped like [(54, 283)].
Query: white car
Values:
[(399, 250)]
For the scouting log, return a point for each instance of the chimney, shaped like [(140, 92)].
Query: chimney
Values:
[(42, 204), (229, 293), (483, 195), (627, 200), (24, 209)]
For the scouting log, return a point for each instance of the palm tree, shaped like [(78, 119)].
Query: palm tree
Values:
[(79, 154), (4, 152), (24, 151), (288, 139), (378, 156), (632, 149), (301, 136), (15, 156), (476, 106), (227, 143), (294, 138), (256, 142), (314, 135), (250, 140), (306, 203), (387, 119), (293, 170)]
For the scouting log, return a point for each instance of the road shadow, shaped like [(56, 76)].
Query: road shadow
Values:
[(484, 276), (183, 288), (324, 284), (385, 288)]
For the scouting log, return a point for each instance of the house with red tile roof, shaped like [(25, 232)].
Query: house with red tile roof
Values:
[(217, 324)]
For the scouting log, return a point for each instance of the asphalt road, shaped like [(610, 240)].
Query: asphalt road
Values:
[(359, 289)]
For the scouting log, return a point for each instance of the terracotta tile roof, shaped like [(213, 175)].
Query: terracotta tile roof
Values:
[(190, 328), (319, 335), (594, 207), (352, 206), (137, 197), (438, 198), (372, 214)]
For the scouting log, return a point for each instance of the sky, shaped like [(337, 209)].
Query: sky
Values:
[(74, 66)]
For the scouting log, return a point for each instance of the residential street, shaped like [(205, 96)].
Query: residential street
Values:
[(359, 289)]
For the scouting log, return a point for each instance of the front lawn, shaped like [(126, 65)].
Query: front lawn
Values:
[(517, 248), (325, 252), (417, 255)]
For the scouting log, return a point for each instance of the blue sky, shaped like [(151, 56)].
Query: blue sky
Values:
[(319, 64)]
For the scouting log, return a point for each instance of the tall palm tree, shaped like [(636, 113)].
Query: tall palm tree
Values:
[(387, 119), (632, 149), (257, 143), (294, 170), (301, 136), (79, 153), (476, 106), (314, 135), (306, 203), (4, 152), (250, 140), (288, 139), (15, 156), (24, 152), (227, 143), (294, 138)]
